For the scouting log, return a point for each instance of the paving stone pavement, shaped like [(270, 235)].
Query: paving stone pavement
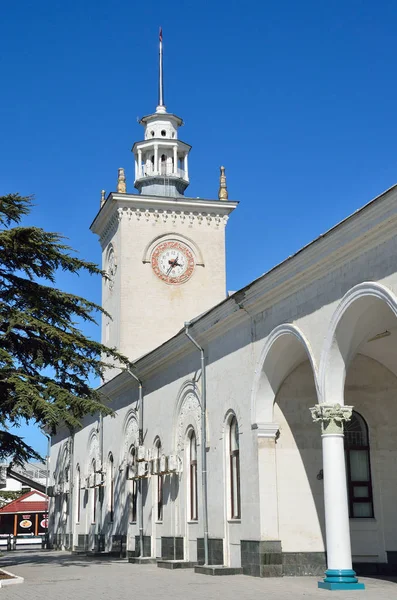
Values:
[(62, 576)]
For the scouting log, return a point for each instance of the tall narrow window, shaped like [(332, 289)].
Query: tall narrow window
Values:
[(358, 468), (78, 493), (134, 485), (159, 491), (193, 476), (234, 452), (93, 492), (111, 488)]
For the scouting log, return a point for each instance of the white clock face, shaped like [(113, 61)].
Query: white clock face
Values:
[(173, 262)]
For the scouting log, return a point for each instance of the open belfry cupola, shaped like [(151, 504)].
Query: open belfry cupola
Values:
[(161, 160)]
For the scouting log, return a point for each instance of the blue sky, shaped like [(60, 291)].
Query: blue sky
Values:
[(296, 99)]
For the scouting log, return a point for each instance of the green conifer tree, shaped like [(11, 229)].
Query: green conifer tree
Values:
[(46, 361)]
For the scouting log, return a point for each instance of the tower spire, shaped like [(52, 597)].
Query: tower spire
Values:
[(161, 108)]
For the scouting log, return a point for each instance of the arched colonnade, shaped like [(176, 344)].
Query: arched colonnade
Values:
[(366, 314)]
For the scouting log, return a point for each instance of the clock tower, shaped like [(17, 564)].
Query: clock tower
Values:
[(163, 253)]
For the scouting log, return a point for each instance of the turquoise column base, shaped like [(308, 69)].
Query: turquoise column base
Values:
[(340, 579)]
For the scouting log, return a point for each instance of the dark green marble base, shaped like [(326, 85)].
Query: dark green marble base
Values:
[(172, 548), (261, 558), (215, 551)]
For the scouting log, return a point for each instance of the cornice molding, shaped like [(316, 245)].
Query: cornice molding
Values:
[(172, 217), (266, 430), (109, 230), (158, 209)]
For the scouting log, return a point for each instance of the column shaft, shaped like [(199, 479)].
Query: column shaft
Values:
[(185, 167), (175, 160), (336, 504), (156, 159)]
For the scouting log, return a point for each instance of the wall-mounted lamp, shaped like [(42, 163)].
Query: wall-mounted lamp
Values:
[(379, 336)]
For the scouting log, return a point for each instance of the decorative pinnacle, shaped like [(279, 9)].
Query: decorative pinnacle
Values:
[(121, 183), (222, 194), (103, 194)]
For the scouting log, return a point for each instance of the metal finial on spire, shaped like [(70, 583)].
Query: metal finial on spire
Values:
[(103, 193), (222, 194), (161, 108), (121, 183)]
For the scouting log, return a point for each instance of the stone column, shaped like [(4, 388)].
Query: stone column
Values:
[(156, 159), (139, 163), (185, 166), (339, 574), (136, 166), (175, 160)]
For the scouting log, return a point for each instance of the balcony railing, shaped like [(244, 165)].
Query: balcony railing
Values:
[(165, 171)]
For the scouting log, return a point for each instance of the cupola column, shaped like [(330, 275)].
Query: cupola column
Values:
[(136, 166), (156, 159), (139, 163), (175, 160), (185, 168)]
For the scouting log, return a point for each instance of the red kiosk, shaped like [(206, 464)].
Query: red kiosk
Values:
[(27, 515)]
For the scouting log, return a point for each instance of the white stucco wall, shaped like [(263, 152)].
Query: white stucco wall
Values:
[(233, 368)]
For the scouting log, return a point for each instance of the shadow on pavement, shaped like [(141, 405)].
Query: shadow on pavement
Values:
[(61, 559)]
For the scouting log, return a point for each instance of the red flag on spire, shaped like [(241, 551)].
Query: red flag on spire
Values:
[(161, 34)]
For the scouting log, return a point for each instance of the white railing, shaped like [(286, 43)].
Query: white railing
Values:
[(164, 172)]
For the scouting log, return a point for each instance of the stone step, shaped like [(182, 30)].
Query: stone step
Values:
[(142, 560), (175, 564), (217, 570)]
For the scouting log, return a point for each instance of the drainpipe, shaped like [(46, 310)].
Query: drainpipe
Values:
[(203, 442), (47, 533), (140, 442), (71, 489), (100, 496)]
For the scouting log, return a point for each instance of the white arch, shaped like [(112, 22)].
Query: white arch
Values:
[(362, 313), (233, 410), (130, 434), (187, 412), (92, 449), (286, 347)]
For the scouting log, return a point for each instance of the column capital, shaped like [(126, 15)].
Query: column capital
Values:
[(332, 417)]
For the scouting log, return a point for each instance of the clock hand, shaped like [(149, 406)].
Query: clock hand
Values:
[(173, 263)]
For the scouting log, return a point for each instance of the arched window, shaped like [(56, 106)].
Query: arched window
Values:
[(93, 492), (234, 463), (78, 494), (192, 457), (134, 484), (159, 490), (358, 468), (111, 488)]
